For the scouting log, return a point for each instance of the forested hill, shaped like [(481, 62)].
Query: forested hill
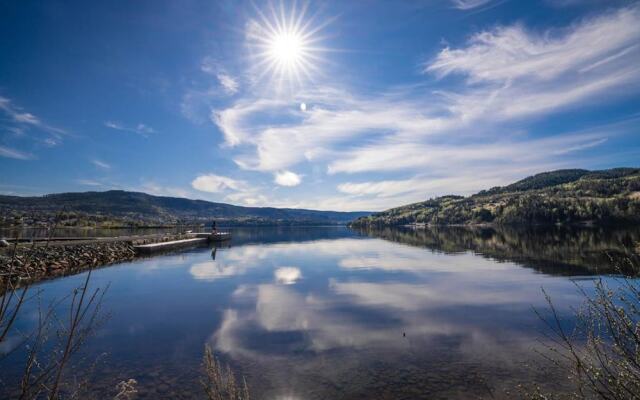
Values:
[(569, 196), (123, 208)]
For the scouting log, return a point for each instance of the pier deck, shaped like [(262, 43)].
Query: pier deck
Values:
[(214, 237), (172, 245)]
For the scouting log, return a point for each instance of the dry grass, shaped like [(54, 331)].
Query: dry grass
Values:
[(56, 338), (126, 390), (601, 356), (220, 383)]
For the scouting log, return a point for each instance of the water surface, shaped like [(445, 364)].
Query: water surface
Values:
[(317, 313)]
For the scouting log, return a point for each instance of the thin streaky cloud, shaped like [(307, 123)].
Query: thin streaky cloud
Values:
[(20, 122), (469, 4), (513, 52), (89, 182), (25, 118), (8, 152), (228, 83), (17, 114), (583, 146), (140, 129), (100, 164)]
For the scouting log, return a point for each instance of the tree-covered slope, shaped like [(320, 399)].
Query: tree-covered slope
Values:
[(118, 207), (563, 196)]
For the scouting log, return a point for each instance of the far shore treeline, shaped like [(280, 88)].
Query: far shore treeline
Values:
[(124, 209), (571, 196)]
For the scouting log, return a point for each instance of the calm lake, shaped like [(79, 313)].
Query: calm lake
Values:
[(332, 313)]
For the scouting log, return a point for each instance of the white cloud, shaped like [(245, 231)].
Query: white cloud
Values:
[(17, 114), (89, 182), (336, 117), (477, 167), (425, 186), (228, 83), (513, 52), (582, 146), (513, 75), (233, 122), (439, 157), (503, 87), (15, 154), (287, 178), (213, 183), (201, 95), (50, 142), (100, 164), (140, 129), (468, 4), (21, 121)]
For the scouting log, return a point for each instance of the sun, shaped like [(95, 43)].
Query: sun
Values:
[(287, 49), (285, 45)]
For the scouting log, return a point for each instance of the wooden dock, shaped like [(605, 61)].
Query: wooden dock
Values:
[(196, 239), (172, 245), (213, 237)]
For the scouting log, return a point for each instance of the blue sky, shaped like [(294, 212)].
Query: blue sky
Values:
[(382, 103)]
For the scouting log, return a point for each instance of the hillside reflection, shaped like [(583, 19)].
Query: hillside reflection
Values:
[(551, 250)]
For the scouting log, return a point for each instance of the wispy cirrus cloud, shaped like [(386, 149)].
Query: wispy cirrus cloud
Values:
[(469, 4), (513, 52), (101, 164), (409, 137), (8, 152), (26, 119), (18, 123), (333, 116), (202, 93), (229, 83), (89, 182), (140, 129), (438, 157)]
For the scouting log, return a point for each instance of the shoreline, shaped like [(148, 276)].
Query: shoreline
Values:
[(28, 263)]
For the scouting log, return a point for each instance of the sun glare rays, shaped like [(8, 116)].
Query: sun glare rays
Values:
[(285, 45)]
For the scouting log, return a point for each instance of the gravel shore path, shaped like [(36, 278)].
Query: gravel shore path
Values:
[(32, 262)]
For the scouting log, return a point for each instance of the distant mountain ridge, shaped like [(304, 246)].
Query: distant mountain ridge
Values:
[(557, 197), (124, 208)]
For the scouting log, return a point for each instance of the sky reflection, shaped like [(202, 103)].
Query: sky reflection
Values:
[(329, 317)]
